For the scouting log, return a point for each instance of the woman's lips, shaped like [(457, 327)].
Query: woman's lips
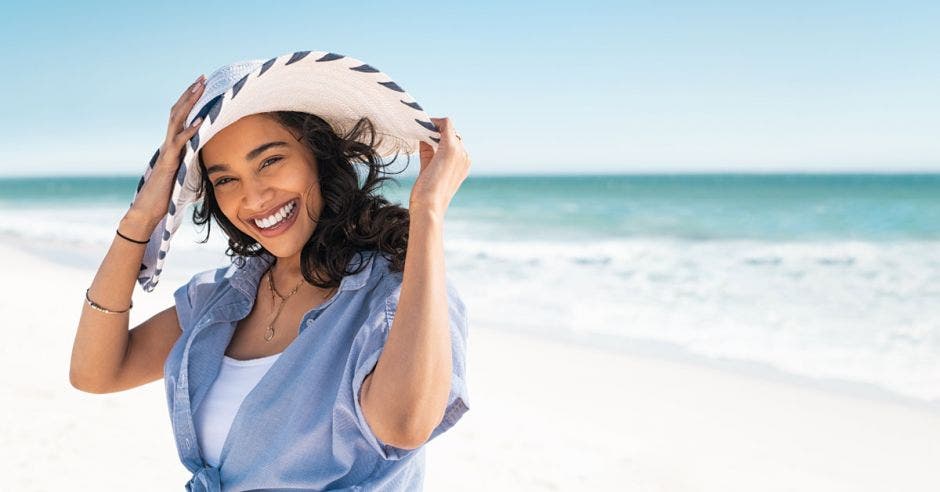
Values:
[(282, 225)]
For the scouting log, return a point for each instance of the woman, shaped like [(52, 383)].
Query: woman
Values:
[(324, 357)]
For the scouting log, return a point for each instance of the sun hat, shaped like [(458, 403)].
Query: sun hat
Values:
[(334, 87)]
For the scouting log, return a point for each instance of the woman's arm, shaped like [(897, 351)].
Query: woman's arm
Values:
[(101, 340), (406, 395)]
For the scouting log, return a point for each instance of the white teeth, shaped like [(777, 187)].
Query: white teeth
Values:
[(277, 217)]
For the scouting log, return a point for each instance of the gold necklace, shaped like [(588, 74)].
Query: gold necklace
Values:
[(269, 334)]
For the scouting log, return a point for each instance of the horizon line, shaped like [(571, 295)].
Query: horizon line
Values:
[(904, 172)]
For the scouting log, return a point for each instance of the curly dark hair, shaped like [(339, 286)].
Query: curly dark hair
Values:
[(355, 218)]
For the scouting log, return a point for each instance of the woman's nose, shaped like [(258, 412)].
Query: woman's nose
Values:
[(257, 194)]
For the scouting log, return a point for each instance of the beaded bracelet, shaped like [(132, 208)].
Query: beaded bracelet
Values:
[(102, 308)]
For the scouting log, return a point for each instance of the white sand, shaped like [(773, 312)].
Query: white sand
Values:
[(544, 416)]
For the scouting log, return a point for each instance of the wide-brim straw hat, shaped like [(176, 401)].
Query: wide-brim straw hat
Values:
[(337, 88)]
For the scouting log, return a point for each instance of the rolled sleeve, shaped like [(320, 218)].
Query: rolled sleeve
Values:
[(367, 356)]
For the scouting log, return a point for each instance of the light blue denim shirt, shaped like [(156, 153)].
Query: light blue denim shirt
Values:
[(302, 426)]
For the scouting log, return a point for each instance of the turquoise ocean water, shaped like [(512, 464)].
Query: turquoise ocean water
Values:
[(834, 277)]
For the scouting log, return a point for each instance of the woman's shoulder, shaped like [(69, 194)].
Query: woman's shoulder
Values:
[(215, 278), (374, 281), (387, 283), (207, 286)]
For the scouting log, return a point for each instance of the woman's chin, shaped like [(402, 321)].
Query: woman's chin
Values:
[(282, 246), (286, 244)]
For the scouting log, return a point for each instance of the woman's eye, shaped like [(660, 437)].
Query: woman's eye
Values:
[(263, 165), (271, 160)]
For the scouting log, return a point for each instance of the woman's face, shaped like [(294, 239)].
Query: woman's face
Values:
[(257, 167)]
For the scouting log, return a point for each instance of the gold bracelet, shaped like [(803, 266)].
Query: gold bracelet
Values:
[(102, 308)]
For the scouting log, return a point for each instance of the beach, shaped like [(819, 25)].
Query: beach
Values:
[(698, 246), (544, 415)]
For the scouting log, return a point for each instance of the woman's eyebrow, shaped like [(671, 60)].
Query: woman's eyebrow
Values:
[(248, 157)]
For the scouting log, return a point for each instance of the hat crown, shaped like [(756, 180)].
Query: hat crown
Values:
[(221, 80)]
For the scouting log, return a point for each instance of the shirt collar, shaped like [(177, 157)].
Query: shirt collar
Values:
[(246, 278)]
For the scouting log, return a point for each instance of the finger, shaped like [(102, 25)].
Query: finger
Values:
[(179, 144), (427, 153), (181, 109), (187, 95), (179, 113), (446, 127), (184, 136), (449, 137), (189, 90)]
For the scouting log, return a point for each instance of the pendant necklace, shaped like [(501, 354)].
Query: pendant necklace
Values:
[(269, 334)]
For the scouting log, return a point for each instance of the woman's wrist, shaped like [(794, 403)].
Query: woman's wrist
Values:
[(137, 225), (423, 209)]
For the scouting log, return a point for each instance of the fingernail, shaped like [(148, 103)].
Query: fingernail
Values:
[(196, 121), (196, 84)]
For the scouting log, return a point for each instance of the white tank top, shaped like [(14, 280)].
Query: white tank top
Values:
[(217, 411)]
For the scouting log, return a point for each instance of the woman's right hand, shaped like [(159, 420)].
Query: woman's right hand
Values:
[(152, 201)]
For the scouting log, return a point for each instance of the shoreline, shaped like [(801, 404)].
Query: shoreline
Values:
[(624, 345), (674, 353)]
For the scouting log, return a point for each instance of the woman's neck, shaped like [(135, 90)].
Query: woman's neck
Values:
[(286, 272)]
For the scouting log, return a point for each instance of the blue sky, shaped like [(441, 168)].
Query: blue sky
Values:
[(533, 87)]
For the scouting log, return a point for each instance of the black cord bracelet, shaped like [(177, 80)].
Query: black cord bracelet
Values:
[(131, 240)]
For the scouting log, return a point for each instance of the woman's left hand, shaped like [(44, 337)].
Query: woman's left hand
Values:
[(442, 171)]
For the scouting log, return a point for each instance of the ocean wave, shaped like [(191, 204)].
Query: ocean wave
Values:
[(853, 310), (848, 310)]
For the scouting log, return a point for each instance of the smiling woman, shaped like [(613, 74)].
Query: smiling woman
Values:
[(262, 163), (324, 357)]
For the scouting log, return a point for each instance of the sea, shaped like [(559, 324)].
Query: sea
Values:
[(830, 278)]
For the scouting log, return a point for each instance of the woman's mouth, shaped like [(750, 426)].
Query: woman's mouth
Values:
[(279, 222)]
